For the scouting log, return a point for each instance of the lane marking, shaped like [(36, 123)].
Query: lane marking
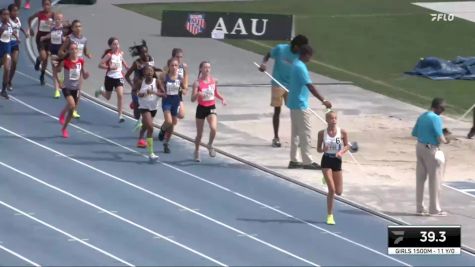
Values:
[(19, 256)]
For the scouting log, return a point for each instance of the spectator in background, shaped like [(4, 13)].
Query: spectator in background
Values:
[(430, 159), (472, 131), (300, 85)]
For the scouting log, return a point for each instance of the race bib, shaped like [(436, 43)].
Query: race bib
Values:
[(75, 73), (151, 63), (56, 37), (80, 50), (208, 93), (45, 25), (173, 87)]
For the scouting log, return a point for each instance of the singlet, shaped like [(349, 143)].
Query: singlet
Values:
[(172, 86), (57, 35), (45, 22), (334, 144), (181, 71), (72, 73), (115, 60), (208, 89), (16, 26), (80, 41), (7, 33), (149, 101)]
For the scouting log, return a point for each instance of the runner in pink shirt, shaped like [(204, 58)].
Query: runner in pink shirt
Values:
[(205, 90)]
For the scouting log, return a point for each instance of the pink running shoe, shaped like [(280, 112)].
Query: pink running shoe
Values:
[(61, 119), (65, 133), (27, 5), (142, 143)]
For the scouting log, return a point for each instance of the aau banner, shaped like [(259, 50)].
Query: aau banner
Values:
[(226, 25)]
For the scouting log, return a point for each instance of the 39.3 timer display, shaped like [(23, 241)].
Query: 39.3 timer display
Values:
[(424, 240)]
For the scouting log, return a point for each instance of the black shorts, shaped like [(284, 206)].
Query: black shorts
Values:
[(203, 112), (331, 162), (153, 112), (180, 94), (111, 83), (42, 45), (74, 93)]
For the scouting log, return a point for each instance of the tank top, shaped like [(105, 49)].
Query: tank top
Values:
[(334, 144), (115, 60), (16, 26), (80, 41), (72, 73), (57, 35), (172, 86), (208, 88), (7, 33), (45, 21), (149, 101)]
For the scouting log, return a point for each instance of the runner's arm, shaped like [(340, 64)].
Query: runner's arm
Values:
[(129, 72), (346, 143), (320, 142), (104, 62), (194, 94)]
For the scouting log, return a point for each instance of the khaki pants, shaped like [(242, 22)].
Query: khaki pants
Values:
[(427, 165), (301, 132)]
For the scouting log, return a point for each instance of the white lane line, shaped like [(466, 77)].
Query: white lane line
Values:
[(100, 208), (461, 191), (467, 190), (219, 186), (19, 256), (182, 207), (66, 234)]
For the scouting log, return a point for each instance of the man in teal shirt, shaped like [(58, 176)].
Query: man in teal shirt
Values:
[(283, 55), (429, 134), (300, 87)]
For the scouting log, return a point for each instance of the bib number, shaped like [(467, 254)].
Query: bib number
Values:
[(80, 50), (75, 73), (56, 37), (45, 25), (208, 94)]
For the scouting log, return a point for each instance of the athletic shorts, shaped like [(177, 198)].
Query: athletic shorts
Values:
[(202, 112), (5, 49), (331, 162), (180, 94), (42, 45), (171, 103), (153, 112), (54, 48), (71, 92), (111, 83), (278, 96), (14, 45)]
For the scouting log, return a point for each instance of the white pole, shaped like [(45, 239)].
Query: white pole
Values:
[(468, 111), (314, 113)]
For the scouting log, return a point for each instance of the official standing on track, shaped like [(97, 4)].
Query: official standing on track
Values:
[(430, 159), (300, 86), (284, 55)]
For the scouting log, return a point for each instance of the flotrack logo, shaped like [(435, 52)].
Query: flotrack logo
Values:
[(442, 17)]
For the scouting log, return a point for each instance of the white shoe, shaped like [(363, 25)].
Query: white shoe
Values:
[(197, 156), (153, 157), (212, 151)]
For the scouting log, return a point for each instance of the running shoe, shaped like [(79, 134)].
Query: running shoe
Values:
[(196, 156), (37, 64), (330, 220), (153, 157), (61, 119), (4, 94), (121, 119), (438, 214), (65, 133), (57, 94), (166, 149), (422, 213), (10, 87), (212, 151), (99, 91), (27, 5), (312, 166), (42, 79), (138, 125), (142, 143), (161, 135), (76, 115), (276, 142)]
